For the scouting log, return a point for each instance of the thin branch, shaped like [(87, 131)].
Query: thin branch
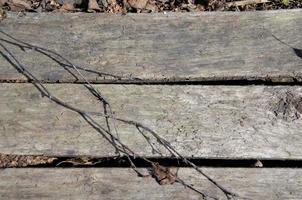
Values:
[(107, 134)]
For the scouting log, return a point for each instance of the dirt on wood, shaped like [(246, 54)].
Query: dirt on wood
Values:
[(15, 161), (23, 160), (289, 107)]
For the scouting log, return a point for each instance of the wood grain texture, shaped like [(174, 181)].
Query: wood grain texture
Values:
[(89, 183), (199, 121), (160, 47)]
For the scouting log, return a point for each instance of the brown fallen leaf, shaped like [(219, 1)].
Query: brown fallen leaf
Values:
[(54, 4), (93, 6), (67, 7), (118, 9), (110, 2), (137, 4), (164, 175), (151, 6), (19, 5)]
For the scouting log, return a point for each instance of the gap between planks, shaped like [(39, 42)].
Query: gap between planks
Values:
[(237, 81), (21, 161)]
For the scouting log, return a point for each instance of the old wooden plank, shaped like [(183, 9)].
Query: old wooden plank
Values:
[(199, 121), (98, 183), (160, 47)]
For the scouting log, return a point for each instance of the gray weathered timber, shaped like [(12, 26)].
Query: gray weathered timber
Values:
[(89, 183), (160, 47), (199, 121)]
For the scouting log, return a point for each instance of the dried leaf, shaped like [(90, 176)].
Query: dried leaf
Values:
[(67, 7), (118, 9), (138, 4), (111, 2), (19, 5), (54, 4), (151, 5), (93, 6), (164, 175)]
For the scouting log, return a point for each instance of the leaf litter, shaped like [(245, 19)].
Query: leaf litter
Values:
[(145, 6)]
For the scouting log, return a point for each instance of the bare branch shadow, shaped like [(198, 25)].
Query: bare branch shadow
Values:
[(297, 51)]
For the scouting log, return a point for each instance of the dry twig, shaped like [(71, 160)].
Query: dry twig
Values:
[(112, 138)]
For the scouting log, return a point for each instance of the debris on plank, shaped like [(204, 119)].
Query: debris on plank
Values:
[(288, 107), (8, 160), (164, 175)]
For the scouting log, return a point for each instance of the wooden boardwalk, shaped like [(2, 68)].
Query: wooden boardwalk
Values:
[(215, 85)]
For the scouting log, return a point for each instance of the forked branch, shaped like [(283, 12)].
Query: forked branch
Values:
[(112, 137)]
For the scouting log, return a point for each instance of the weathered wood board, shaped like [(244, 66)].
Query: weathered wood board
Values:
[(159, 47), (199, 121), (98, 183)]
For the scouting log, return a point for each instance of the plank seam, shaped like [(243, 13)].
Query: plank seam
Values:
[(290, 81), (28, 161)]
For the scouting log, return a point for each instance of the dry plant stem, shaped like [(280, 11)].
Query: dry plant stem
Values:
[(117, 143), (175, 153), (94, 91), (114, 140), (121, 147)]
